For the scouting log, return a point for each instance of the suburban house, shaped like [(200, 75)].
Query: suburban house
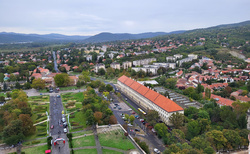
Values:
[(98, 67), (115, 65)]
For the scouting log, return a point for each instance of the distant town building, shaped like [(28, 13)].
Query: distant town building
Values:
[(89, 57), (98, 67), (115, 65), (178, 56), (143, 61), (126, 64), (170, 59)]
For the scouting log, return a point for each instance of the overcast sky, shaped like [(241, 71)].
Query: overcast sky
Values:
[(89, 17)]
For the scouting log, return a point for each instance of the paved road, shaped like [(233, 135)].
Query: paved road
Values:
[(56, 108)]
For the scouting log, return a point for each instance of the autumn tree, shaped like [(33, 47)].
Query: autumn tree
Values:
[(98, 116), (233, 138), (27, 124), (13, 133), (38, 83), (112, 120)]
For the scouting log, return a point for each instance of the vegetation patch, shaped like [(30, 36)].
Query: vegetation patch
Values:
[(37, 149), (88, 151), (115, 140), (84, 141), (107, 151)]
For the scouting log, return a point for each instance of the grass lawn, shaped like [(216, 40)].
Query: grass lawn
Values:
[(77, 97), (244, 87), (43, 91), (36, 150), (88, 151), (107, 151), (2, 94), (84, 141), (35, 142), (82, 133), (78, 119), (118, 141), (39, 105)]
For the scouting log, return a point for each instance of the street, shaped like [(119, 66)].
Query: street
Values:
[(56, 109)]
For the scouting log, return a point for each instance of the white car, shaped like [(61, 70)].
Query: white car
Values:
[(156, 150), (65, 130), (130, 109), (130, 125)]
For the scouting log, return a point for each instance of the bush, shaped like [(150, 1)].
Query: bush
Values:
[(72, 151), (49, 142), (35, 142)]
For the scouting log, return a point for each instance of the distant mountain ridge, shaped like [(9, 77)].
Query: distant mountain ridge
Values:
[(104, 37)]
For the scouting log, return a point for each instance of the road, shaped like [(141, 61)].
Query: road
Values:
[(56, 109), (153, 139)]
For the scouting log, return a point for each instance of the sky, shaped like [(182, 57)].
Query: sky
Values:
[(90, 17)]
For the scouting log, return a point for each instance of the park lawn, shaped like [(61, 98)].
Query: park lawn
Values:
[(107, 151), (38, 141), (244, 87), (88, 151), (84, 141), (82, 133), (3, 94), (36, 150), (77, 97), (43, 91), (118, 141), (80, 118)]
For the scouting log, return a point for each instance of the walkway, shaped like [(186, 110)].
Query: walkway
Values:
[(103, 147), (97, 142)]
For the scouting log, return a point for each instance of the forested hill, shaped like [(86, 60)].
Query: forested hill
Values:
[(239, 31)]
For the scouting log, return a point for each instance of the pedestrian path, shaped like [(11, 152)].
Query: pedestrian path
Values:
[(97, 142)]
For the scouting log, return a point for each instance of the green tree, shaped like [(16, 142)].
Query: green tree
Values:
[(207, 93), (233, 138), (173, 148), (162, 130), (216, 139), (18, 86), (1, 77), (152, 117), (193, 129), (200, 88), (170, 83), (199, 142), (101, 71), (62, 79), (109, 88), (131, 118), (177, 119), (126, 116), (13, 133), (38, 83), (203, 114)]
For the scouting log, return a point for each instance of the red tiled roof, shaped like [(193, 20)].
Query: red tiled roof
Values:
[(135, 86), (151, 95), (221, 100), (163, 102)]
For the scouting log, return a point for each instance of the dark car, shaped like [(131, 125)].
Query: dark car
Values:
[(137, 130)]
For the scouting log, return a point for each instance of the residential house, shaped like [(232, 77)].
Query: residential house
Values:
[(115, 65), (126, 64), (98, 67)]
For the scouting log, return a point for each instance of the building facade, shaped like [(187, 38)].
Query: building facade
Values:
[(98, 67), (126, 64), (115, 65), (148, 99)]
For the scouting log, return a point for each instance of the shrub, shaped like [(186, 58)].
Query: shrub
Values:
[(49, 142), (35, 142)]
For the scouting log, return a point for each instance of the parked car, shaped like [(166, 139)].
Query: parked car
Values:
[(137, 116), (63, 120), (52, 126), (141, 120), (114, 107), (126, 99), (130, 109), (137, 130), (58, 96), (130, 125), (133, 112), (65, 130), (65, 124), (121, 114), (156, 150), (119, 108)]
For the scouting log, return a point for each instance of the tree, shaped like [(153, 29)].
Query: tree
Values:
[(27, 124), (131, 118), (38, 83), (173, 148), (13, 133), (203, 114), (233, 138), (248, 85), (126, 116), (1, 77), (4, 86), (200, 88), (152, 117), (207, 93), (216, 139), (162, 130), (98, 116), (62, 79), (27, 85), (204, 124), (101, 71), (171, 82), (109, 88), (112, 119), (176, 119), (199, 142), (2, 99), (18, 86), (78, 84), (193, 129)]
